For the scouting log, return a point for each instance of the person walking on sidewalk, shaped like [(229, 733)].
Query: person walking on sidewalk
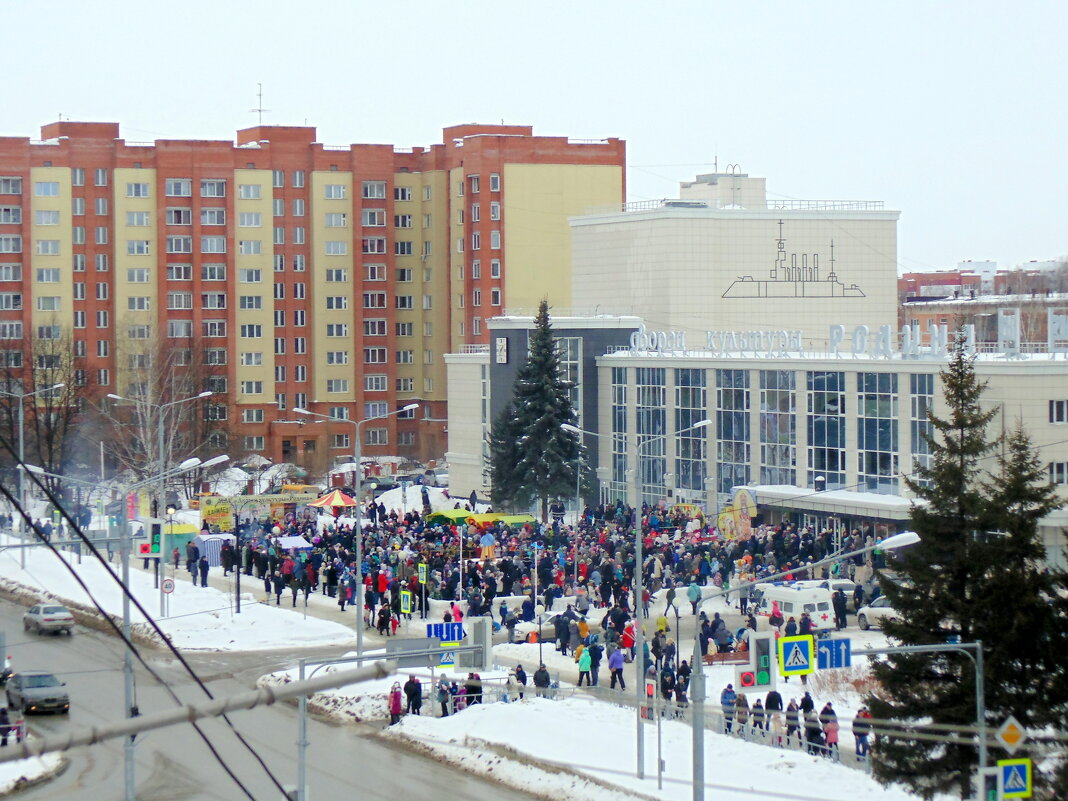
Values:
[(203, 572), (615, 665)]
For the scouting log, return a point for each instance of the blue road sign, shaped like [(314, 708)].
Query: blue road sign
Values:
[(446, 632), (1016, 778), (835, 653)]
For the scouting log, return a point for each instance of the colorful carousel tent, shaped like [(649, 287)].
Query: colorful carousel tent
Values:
[(449, 516), (334, 499)]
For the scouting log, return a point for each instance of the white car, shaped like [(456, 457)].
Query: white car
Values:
[(52, 618), (875, 613)]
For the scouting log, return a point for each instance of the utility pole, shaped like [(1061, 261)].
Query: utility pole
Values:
[(129, 703)]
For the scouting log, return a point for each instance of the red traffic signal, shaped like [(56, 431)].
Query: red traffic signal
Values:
[(747, 678), (146, 548), (650, 689)]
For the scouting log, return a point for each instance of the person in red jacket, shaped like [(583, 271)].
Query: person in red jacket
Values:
[(396, 705)]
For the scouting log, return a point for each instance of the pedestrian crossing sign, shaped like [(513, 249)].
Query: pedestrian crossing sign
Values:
[(1015, 777), (796, 655)]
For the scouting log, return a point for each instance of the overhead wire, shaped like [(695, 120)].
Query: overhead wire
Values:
[(148, 618)]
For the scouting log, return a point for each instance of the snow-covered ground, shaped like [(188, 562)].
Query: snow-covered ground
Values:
[(200, 618), (18, 773), (582, 750)]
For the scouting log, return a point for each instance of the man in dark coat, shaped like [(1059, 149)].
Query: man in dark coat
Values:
[(203, 572)]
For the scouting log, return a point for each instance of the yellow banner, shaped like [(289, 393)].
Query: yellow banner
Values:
[(218, 514)]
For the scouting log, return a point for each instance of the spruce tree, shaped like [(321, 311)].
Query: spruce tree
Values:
[(533, 458), (974, 575)]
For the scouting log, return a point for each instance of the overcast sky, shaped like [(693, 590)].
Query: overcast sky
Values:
[(952, 112)]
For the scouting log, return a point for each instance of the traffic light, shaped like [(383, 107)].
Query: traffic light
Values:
[(760, 672), (155, 533)]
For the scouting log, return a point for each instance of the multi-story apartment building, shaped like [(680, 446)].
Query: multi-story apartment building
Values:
[(292, 274)]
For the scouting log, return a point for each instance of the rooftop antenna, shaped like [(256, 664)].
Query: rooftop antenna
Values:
[(259, 109)]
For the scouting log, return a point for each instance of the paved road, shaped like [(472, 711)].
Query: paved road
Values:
[(174, 765)]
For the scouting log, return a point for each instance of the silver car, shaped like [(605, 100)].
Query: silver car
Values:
[(48, 617), (37, 691)]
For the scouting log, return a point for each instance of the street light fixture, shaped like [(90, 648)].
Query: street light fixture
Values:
[(21, 397), (357, 457)]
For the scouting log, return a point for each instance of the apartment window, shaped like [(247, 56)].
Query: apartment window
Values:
[(278, 207), (279, 346), (334, 191), (251, 331), (179, 329), (250, 219), (337, 357), (213, 272), (278, 178), (11, 272), (476, 326), (459, 244), (299, 318), (402, 248), (137, 190), (47, 275), (300, 290), (428, 328), (213, 300), (77, 176), (474, 184), (405, 385), (495, 297), (374, 355), (402, 193), (337, 276), (212, 188), (428, 302), (404, 275), (10, 329), (139, 332), (495, 182), (404, 329), (213, 244), (250, 247), (250, 275), (374, 272), (300, 346), (250, 302), (48, 303), (402, 220), (251, 359), (138, 361), (337, 302), (12, 301), (50, 247), (179, 272), (279, 291), (298, 207), (405, 302), (374, 300), (495, 268), (298, 263), (300, 373), (248, 191), (215, 356), (338, 248), (428, 356), (374, 383), (375, 218), (46, 218), (213, 216), (298, 178), (138, 303), (375, 409), (253, 443), (476, 213), (179, 216), (405, 357), (100, 206), (78, 264), (103, 378), (78, 234), (11, 243), (1058, 472), (137, 218), (334, 385), (179, 244), (495, 240), (178, 187), (101, 262), (77, 207), (495, 211), (137, 275), (102, 319), (476, 241), (428, 247), (337, 329), (279, 235), (373, 190), (1058, 411), (102, 290), (10, 185), (103, 348), (476, 270), (215, 328), (476, 297), (46, 189), (280, 400), (339, 441), (377, 436), (298, 235), (11, 215), (279, 263), (372, 244), (101, 235), (374, 327)]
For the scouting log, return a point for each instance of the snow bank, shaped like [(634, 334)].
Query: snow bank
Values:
[(22, 772), (200, 618), (582, 750)]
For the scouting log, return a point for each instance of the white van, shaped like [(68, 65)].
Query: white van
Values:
[(793, 601), (834, 584)]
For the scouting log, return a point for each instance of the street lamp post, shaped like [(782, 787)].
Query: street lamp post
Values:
[(21, 397), (357, 455), (697, 677), (639, 640)]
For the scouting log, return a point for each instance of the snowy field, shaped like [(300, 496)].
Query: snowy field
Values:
[(583, 750), (200, 618), (16, 774)]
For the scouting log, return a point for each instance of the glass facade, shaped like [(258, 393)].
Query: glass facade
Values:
[(921, 388), (569, 351), (617, 485), (778, 427), (877, 434), (826, 428), (732, 430), (691, 447), (650, 405)]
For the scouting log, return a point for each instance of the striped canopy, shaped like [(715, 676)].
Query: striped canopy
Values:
[(334, 498)]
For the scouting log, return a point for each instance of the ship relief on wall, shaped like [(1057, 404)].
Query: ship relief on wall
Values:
[(798, 277)]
